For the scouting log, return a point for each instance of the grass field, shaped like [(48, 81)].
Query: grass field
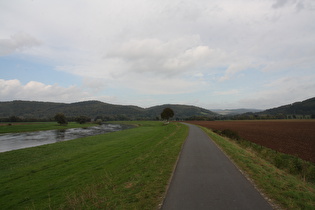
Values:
[(38, 126), (286, 190), (128, 169)]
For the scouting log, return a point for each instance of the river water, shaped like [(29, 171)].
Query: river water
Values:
[(13, 141)]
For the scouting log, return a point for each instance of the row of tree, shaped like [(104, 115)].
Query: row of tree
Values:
[(19, 119), (166, 114), (61, 119)]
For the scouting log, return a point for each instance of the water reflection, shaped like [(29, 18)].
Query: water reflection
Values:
[(60, 135), (15, 141)]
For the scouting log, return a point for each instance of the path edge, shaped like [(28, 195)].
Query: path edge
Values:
[(269, 200), (173, 172)]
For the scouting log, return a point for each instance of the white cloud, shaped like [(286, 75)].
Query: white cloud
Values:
[(15, 90), (228, 92), (164, 47), (199, 56), (17, 42), (167, 58), (235, 68), (165, 86), (140, 64), (95, 84), (282, 91)]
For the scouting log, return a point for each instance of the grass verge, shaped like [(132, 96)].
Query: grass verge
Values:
[(289, 163), (122, 170), (286, 190), (39, 126)]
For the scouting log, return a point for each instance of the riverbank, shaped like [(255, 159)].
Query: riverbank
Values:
[(13, 141), (39, 126), (128, 169)]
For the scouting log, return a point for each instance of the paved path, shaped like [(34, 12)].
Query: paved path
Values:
[(205, 178)]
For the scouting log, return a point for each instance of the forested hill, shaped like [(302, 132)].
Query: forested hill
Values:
[(93, 109), (306, 107), (181, 111)]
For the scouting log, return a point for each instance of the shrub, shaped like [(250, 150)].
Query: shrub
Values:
[(82, 119), (61, 119), (228, 133)]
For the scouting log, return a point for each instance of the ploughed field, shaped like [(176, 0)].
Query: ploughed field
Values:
[(295, 137)]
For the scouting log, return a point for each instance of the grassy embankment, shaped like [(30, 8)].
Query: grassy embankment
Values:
[(286, 190), (128, 169), (39, 126)]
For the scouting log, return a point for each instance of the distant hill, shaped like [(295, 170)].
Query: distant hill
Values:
[(93, 109), (306, 107), (97, 109), (181, 111), (234, 111), (298, 110)]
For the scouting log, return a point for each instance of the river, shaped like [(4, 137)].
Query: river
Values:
[(13, 141)]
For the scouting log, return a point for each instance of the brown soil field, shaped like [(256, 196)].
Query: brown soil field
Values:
[(295, 137)]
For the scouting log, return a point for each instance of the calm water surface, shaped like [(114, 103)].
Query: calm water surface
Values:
[(13, 141)]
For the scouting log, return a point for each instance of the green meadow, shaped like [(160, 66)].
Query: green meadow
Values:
[(129, 169)]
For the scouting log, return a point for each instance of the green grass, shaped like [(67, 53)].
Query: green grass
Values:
[(27, 127), (128, 169), (286, 190)]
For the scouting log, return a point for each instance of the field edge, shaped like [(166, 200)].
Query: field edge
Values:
[(278, 184)]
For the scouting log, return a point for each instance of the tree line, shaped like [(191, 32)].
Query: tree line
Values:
[(61, 118)]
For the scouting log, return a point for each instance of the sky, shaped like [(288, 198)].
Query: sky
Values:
[(218, 54)]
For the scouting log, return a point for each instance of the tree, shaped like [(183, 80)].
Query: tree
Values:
[(82, 119), (14, 119), (61, 119), (167, 114)]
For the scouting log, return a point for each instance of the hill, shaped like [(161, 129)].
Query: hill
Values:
[(298, 110), (306, 107), (93, 109), (234, 111), (181, 111)]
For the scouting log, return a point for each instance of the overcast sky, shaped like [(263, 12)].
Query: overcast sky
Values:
[(212, 54)]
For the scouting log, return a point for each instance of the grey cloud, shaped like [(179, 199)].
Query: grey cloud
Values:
[(17, 42), (140, 43), (298, 4), (279, 3)]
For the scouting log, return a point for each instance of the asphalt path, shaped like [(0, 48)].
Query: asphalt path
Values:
[(205, 178)]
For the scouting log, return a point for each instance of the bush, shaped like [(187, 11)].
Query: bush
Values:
[(61, 119), (99, 121), (228, 133), (82, 119)]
